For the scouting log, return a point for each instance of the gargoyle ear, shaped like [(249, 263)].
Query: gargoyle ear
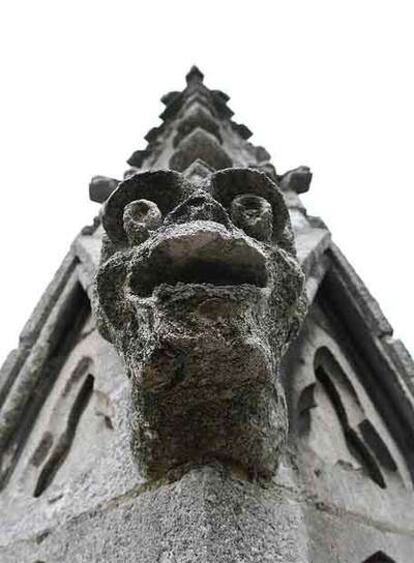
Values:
[(229, 183), (166, 188)]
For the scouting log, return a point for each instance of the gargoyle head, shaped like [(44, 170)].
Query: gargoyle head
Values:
[(200, 291)]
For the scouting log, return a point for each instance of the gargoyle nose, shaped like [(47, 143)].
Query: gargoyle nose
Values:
[(200, 206)]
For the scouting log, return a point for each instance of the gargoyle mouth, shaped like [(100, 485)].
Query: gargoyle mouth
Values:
[(208, 257)]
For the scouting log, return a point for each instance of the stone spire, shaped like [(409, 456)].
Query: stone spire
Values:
[(198, 136), (197, 132)]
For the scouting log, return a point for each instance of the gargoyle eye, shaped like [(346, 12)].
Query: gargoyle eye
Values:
[(254, 215), (140, 217)]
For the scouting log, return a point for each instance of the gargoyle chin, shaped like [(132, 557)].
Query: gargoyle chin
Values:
[(200, 292)]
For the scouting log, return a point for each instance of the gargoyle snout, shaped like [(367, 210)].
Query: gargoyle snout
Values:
[(200, 206)]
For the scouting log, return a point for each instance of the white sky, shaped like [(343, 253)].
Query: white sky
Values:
[(323, 83)]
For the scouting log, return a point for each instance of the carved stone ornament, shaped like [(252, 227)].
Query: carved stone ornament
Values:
[(200, 292)]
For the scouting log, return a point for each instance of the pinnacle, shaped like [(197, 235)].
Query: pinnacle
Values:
[(196, 126), (195, 76)]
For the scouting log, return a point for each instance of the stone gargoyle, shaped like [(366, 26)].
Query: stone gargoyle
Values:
[(200, 292)]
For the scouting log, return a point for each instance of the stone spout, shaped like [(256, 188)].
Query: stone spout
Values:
[(200, 292)]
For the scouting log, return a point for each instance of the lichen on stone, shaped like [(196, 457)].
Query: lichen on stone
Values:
[(200, 291)]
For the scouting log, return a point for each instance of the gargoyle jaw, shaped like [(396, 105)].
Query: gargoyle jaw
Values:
[(199, 254)]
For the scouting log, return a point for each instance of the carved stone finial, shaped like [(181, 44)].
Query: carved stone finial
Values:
[(297, 180), (200, 291), (101, 187), (195, 76)]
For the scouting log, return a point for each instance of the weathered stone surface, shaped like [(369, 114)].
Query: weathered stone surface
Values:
[(203, 145), (209, 515), (60, 475), (21, 400), (201, 308), (357, 479), (198, 171), (197, 116), (344, 538)]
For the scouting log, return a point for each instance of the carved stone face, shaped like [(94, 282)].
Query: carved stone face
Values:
[(200, 291)]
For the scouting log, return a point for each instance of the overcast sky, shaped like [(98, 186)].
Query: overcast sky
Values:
[(322, 83)]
